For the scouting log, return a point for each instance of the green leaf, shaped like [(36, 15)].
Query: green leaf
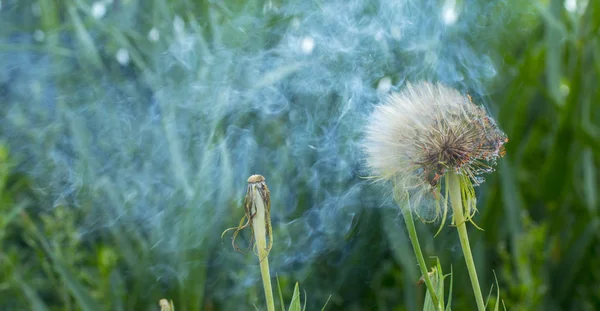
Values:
[(81, 294), (497, 293), (449, 304), (78, 290), (281, 303), (90, 53), (295, 303), (36, 303)]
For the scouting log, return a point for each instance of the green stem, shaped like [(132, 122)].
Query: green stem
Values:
[(266, 277), (259, 225), (414, 239), (453, 183)]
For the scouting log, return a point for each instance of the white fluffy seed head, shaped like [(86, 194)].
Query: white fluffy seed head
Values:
[(417, 135)]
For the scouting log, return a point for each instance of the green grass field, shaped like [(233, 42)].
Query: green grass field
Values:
[(129, 128)]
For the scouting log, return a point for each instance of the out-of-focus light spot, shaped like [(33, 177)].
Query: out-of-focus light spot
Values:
[(384, 85), (430, 58), (36, 88), (570, 5), (269, 7), (379, 35), (122, 56), (564, 89), (178, 24), (98, 10), (307, 45), (153, 35), (396, 32), (38, 35), (36, 9), (449, 14), (295, 23)]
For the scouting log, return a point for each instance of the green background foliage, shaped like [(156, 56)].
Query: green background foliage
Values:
[(539, 210)]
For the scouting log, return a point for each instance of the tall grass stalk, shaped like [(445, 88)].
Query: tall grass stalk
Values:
[(453, 183)]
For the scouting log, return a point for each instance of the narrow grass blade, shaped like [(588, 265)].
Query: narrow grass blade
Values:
[(35, 301), (449, 304), (326, 302), (281, 303), (295, 303), (89, 48)]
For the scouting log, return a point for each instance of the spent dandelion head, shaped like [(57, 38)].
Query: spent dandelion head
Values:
[(257, 206), (166, 305), (418, 135)]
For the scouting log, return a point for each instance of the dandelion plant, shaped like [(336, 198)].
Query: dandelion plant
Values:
[(257, 216), (433, 143)]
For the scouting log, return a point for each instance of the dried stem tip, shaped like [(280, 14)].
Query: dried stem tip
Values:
[(165, 305), (255, 179), (257, 206)]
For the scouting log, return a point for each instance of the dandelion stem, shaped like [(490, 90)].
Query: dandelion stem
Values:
[(453, 183), (259, 226), (414, 239)]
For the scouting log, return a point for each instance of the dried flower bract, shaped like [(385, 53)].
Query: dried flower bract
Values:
[(417, 135)]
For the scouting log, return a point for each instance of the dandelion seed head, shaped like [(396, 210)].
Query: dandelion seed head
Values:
[(417, 135)]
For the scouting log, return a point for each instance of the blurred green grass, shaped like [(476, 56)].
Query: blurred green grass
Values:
[(539, 211)]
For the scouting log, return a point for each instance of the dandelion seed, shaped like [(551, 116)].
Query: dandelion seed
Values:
[(418, 135)]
